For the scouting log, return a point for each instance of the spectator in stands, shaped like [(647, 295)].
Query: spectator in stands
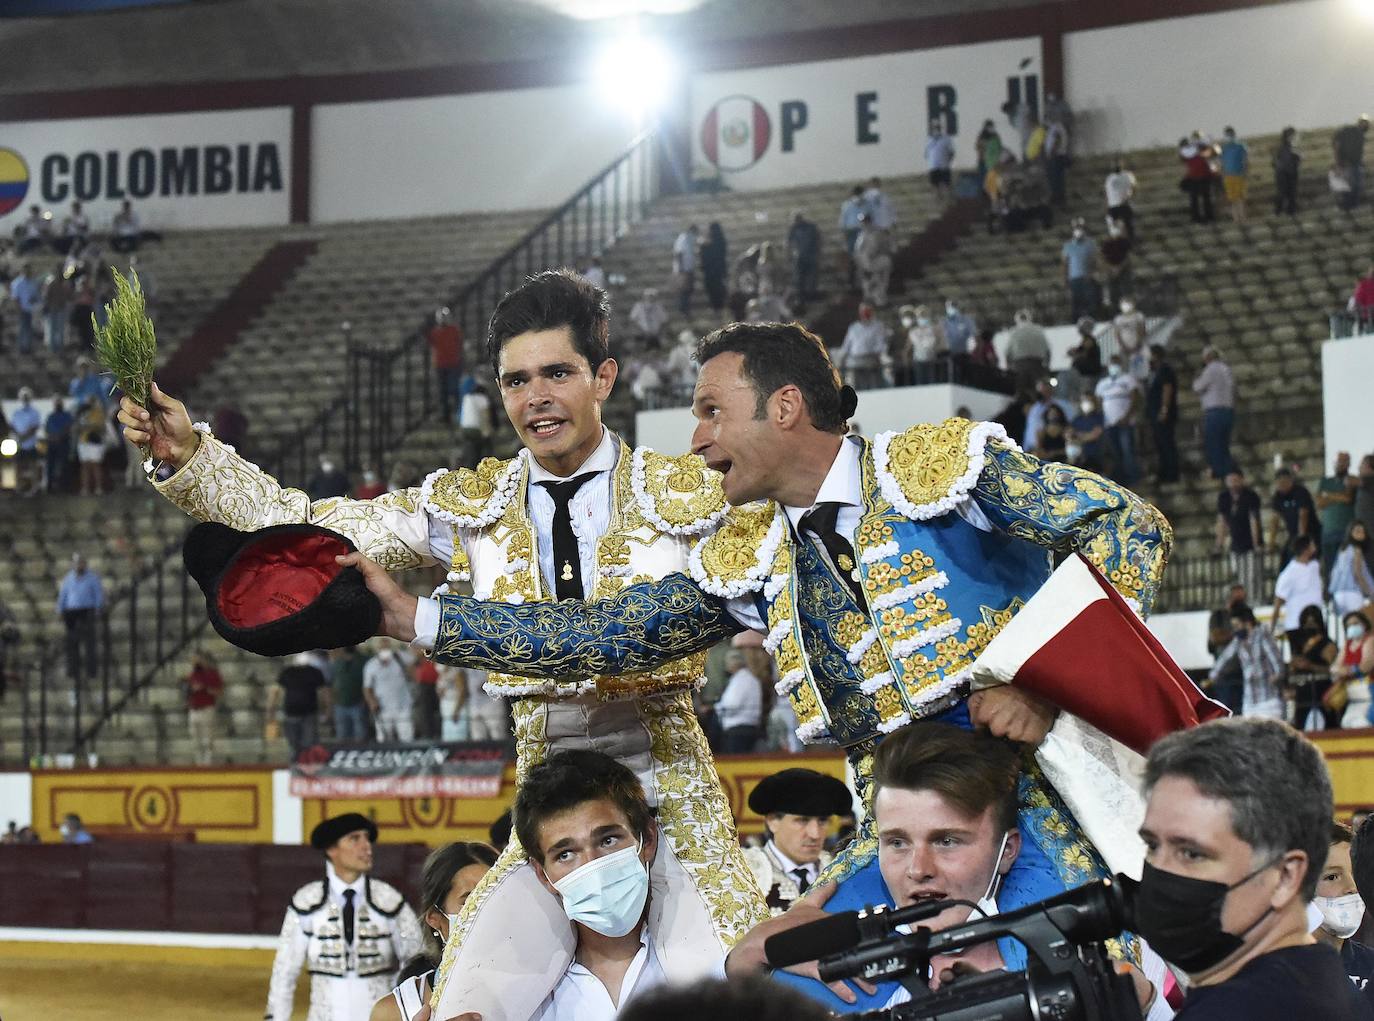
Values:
[(80, 602), (1361, 301), (346, 689), (851, 214), (1347, 146), (878, 206), (1021, 116), (685, 267), (1085, 363), (768, 270), (1129, 329), (715, 267), (1353, 669), (1056, 155), (804, 248), (1287, 159), (1239, 528), (1261, 665), (1364, 493), (1197, 153), (35, 232), (1294, 510), (1028, 351), (984, 353), (939, 160), (1086, 435), (860, 357), (1116, 262), (57, 430), (740, 708), (76, 229), (988, 146), (1058, 111), (58, 291), (1226, 683), (1299, 586), (769, 306), (330, 480), (426, 712), (873, 259), (1035, 415), (928, 351), (26, 290), (488, 718), (446, 346), (1343, 911), (1336, 506), (1052, 442), (1161, 411), (26, 423), (229, 423), (83, 307), (87, 386), (128, 232), (646, 380), (73, 830), (386, 686), (300, 689), (1352, 579), (594, 273), (1120, 188), (1216, 387), (648, 316), (1119, 393), (476, 424), (1309, 672), (91, 434), (203, 685), (1079, 256), (680, 367), (959, 330), (1235, 170)]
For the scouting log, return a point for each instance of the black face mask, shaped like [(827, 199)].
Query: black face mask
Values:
[(1181, 918)]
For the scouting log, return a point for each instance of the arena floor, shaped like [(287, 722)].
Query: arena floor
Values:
[(85, 982)]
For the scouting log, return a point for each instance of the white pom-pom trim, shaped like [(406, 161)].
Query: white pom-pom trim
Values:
[(929, 636), (880, 552), (910, 592)]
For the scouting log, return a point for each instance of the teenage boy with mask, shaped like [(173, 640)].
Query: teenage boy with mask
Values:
[(1237, 820), (1342, 910), (584, 822)]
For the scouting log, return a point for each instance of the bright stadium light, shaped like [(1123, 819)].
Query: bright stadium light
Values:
[(8, 447), (636, 73)]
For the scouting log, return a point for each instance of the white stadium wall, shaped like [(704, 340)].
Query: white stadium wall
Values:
[(488, 151), (1347, 368), (1258, 69), (840, 120), (214, 169)]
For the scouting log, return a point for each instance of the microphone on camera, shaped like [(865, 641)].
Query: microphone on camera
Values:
[(821, 938)]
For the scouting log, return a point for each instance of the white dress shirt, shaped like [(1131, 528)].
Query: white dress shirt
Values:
[(741, 703), (813, 868), (580, 996)]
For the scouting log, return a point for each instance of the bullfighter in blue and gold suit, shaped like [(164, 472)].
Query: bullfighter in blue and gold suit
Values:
[(936, 537)]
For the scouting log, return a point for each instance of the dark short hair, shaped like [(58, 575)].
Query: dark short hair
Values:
[(571, 778), (778, 355), (1273, 779), (1284, 473), (1242, 611), (1341, 833), (437, 876), (546, 301), (1362, 859), (970, 769), (755, 997)]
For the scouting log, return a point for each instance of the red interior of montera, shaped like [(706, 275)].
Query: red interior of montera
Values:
[(278, 576)]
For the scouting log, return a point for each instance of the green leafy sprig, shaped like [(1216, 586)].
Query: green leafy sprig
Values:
[(126, 345)]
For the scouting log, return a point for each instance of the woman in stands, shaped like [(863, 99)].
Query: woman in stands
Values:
[(1352, 582), (449, 877), (1353, 668), (1309, 671)]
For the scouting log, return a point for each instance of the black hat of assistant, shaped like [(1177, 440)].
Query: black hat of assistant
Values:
[(801, 792), (278, 591), (328, 833)]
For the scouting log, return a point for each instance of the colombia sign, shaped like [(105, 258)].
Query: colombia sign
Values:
[(14, 180)]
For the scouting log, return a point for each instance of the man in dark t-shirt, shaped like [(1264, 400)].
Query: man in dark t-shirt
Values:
[(1239, 529), (1161, 412), (1294, 508), (1237, 826), (300, 688)]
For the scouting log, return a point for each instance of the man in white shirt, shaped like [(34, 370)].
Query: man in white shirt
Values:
[(1119, 393), (649, 317), (386, 686), (797, 806), (1120, 189), (740, 707), (939, 160), (585, 823), (861, 357), (1299, 586), (685, 266)]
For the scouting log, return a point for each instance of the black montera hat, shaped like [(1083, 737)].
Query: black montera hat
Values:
[(278, 591), (801, 792), (327, 834)]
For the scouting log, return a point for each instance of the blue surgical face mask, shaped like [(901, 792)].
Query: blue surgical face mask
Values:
[(607, 894)]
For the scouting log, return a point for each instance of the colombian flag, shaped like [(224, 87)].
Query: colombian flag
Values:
[(14, 180)]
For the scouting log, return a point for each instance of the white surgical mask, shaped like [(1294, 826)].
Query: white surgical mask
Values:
[(1354, 631), (988, 902), (607, 894), (1078, 233), (923, 321), (1113, 370), (1086, 407), (1341, 916), (908, 322), (1127, 307)]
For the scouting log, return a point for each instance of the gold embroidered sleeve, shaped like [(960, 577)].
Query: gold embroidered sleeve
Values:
[(219, 485), (1065, 508)]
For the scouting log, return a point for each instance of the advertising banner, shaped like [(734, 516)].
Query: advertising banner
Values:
[(396, 770)]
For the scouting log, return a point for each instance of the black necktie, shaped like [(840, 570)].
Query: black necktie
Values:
[(803, 880), (348, 916), (567, 561), (820, 521)]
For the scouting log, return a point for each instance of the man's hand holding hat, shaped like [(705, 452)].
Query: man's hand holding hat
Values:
[(398, 605)]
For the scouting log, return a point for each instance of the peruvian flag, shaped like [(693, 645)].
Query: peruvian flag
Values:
[(1079, 645), (735, 133)]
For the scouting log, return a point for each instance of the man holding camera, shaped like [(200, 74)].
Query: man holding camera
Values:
[(1237, 823)]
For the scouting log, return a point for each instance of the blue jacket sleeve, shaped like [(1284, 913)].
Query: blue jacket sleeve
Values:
[(1069, 509), (642, 627)]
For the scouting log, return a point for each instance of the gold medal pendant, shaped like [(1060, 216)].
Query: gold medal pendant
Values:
[(567, 571), (845, 563)]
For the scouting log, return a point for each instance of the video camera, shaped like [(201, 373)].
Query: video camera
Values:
[(1068, 977)]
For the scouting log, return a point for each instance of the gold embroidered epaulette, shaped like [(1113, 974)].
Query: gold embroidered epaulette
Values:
[(736, 558), (925, 471), (472, 497), (678, 495)]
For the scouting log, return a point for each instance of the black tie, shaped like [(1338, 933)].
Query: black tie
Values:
[(820, 521), (567, 561), (803, 882), (348, 916)]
